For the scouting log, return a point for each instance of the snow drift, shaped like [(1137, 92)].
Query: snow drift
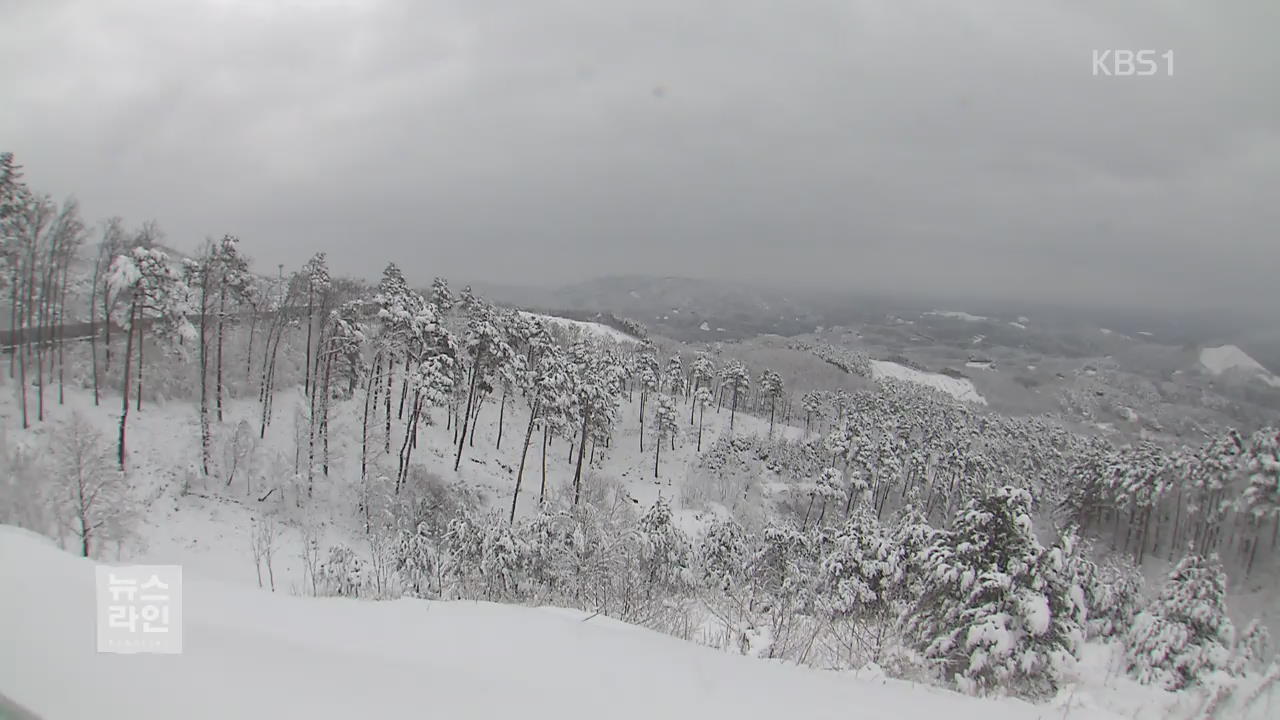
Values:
[(249, 653)]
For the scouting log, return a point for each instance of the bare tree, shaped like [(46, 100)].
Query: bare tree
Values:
[(262, 543), (90, 499)]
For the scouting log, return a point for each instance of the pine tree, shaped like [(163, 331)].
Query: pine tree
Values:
[(702, 400), (735, 378), (996, 612), (771, 389), (704, 374), (650, 379), (1185, 635), (665, 425)]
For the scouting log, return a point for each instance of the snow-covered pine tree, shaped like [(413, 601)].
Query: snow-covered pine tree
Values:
[(812, 402), (735, 379), (1260, 500), (1185, 635), (862, 583), (702, 399), (673, 377), (992, 615), (704, 374), (594, 383), (771, 388), (650, 379), (152, 290), (665, 425)]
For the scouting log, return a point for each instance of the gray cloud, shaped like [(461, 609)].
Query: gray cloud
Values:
[(952, 147)]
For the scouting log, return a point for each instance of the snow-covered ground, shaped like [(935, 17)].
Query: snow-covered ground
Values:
[(960, 389), (1218, 360), (590, 328), (957, 315), (248, 653)]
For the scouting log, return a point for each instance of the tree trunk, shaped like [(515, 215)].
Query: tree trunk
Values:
[(702, 412), (124, 394), (93, 353), (577, 473), (391, 367), (324, 413), (656, 454), (62, 326), (475, 421), (141, 331), (248, 353), (502, 416), (206, 440), (364, 427), (466, 417), (222, 305), (643, 395), (404, 388), (524, 452), (306, 379), (542, 494)]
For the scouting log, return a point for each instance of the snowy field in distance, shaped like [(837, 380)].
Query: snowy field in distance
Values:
[(957, 315), (1218, 360), (248, 653), (591, 328), (960, 389)]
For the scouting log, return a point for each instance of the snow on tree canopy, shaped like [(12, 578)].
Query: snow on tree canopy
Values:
[(1185, 635), (997, 610)]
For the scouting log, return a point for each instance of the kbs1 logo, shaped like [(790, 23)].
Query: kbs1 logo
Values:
[(1129, 63)]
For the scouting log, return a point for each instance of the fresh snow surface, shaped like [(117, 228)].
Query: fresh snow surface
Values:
[(250, 653), (1218, 360), (960, 389), (590, 328), (957, 315)]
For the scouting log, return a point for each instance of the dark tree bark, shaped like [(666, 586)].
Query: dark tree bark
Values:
[(524, 452), (124, 394), (542, 494), (582, 445), (466, 417), (222, 314)]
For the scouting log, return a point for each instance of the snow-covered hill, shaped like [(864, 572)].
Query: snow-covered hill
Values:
[(249, 653), (590, 328), (960, 389), (958, 315), (1230, 358)]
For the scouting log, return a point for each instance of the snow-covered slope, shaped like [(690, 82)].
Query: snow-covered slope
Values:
[(249, 653), (1218, 360), (960, 389), (590, 328), (957, 315), (1228, 358)]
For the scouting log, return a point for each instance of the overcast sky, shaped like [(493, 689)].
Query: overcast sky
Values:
[(961, 147)]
